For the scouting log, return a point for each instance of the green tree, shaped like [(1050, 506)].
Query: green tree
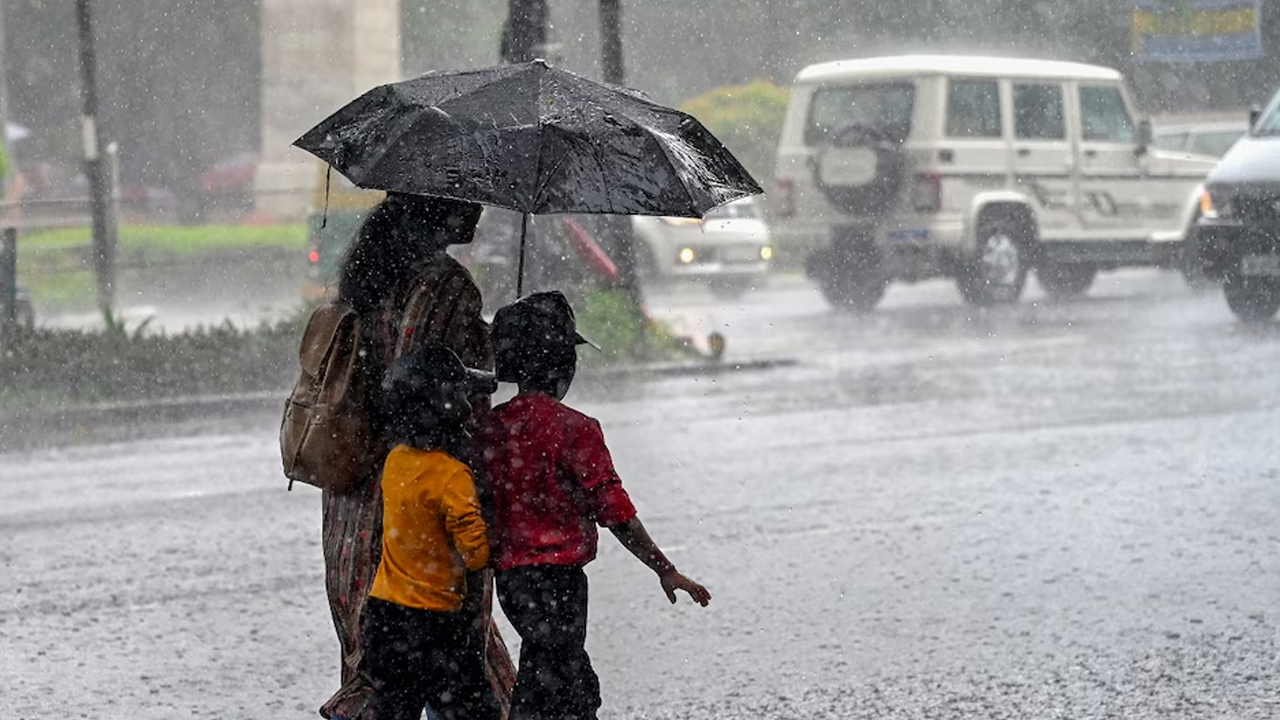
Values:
[(746, 118)]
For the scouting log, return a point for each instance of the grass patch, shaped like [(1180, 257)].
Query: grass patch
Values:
[(172, 239), (56, 266)]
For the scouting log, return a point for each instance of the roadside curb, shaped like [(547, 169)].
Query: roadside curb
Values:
[(70, 419)]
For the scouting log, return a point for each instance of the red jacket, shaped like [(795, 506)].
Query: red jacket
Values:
[(550, 480)]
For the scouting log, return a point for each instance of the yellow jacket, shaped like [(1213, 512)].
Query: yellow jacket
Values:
[(432, 530)]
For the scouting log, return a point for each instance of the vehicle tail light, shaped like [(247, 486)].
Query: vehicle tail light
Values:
[(926, 194), (313, 254), (784, 197)]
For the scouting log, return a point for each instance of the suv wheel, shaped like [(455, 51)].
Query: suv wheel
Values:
[(1063, 281), (998, 270), (848, 280), (1252, 299)]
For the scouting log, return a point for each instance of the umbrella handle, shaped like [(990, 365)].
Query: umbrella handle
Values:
[(524, 228)]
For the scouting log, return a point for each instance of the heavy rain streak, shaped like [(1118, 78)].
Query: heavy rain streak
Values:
[(622, 360)]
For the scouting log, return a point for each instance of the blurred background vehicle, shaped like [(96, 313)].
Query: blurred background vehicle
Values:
[(336, 211), (1238, 230), (1210, 138), (728, 249), (1208, 135)]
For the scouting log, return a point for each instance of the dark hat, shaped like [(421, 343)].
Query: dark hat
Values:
[(432, 364), (534, 322)]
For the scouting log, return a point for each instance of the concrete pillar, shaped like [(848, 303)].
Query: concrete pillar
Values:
[(317, 55)]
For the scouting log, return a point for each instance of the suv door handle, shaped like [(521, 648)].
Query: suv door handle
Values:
[(1091, 153), (1024, 152)]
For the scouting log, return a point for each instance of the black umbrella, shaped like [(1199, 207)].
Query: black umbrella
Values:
[(531, 138)]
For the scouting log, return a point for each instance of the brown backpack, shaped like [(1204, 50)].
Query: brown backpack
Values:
[(327, 437)]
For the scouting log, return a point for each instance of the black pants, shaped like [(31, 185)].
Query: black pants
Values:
[(415, 657), (547, 605)]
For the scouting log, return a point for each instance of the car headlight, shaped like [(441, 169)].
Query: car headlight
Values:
[(687, 255), (1215, 206), (766, 253)]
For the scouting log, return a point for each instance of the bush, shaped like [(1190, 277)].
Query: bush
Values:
[(624, 334), (52, 368), (746, 118), (62, 367)]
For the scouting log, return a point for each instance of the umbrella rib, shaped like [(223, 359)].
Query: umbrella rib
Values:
[(403, 126), (673, 163)]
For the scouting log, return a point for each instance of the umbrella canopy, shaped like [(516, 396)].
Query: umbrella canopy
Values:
[(532, 138)]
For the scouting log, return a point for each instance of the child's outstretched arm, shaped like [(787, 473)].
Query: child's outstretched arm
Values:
[(636, 539)]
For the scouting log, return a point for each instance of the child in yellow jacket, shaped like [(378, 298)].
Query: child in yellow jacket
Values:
[(419, 649)]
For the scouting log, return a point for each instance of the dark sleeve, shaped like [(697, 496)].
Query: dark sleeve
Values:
[(591, 467)]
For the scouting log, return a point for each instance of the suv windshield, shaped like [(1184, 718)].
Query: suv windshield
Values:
[(885, 107)]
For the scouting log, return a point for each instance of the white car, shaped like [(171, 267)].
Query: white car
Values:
[(973, 168), (1209, 138), (728, 249)]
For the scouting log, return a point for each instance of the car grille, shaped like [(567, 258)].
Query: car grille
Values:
[(1257, 208)]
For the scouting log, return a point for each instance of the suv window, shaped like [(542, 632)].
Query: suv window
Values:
[(885, 107), (1103, 116), (1037, 112), (1171, 141), (973, 108)]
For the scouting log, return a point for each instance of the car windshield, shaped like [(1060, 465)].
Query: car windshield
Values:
[(745, 209), (1215, 143), (886, 107), (1270, 122)]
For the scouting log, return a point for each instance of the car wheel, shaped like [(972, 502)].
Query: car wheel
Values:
[(1252, 299), (998, 271), (1190, 266), (1064, 281)]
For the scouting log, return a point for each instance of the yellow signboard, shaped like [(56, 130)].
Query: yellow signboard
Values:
[(1197, 30)]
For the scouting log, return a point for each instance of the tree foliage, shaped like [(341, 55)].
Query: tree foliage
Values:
[(746, 118)]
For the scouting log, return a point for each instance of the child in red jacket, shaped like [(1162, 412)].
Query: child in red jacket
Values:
[(552, 481)]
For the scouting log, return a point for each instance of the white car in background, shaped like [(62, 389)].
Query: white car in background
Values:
[(728, 249), (1206, 138)]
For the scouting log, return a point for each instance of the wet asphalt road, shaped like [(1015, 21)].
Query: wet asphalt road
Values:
[(1043, 511)]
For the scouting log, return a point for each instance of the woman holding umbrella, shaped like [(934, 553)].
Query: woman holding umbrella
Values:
[(408, 290)]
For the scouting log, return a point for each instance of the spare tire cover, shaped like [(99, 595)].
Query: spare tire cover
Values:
[(859, 170)]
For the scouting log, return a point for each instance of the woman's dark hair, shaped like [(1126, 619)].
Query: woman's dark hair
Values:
[(377, 261), (396, 234)]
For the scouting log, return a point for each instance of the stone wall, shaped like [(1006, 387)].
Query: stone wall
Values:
[(317, 55)]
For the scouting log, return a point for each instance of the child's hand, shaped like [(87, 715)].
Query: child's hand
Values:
[(672, 581)]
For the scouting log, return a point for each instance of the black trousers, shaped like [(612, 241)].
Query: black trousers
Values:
[(547, 606), (417, 657)]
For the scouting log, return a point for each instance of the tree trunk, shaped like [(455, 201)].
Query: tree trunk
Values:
[(619, 238), (525, 32)]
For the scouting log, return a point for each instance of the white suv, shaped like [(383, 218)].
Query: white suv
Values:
[(906, 168)]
